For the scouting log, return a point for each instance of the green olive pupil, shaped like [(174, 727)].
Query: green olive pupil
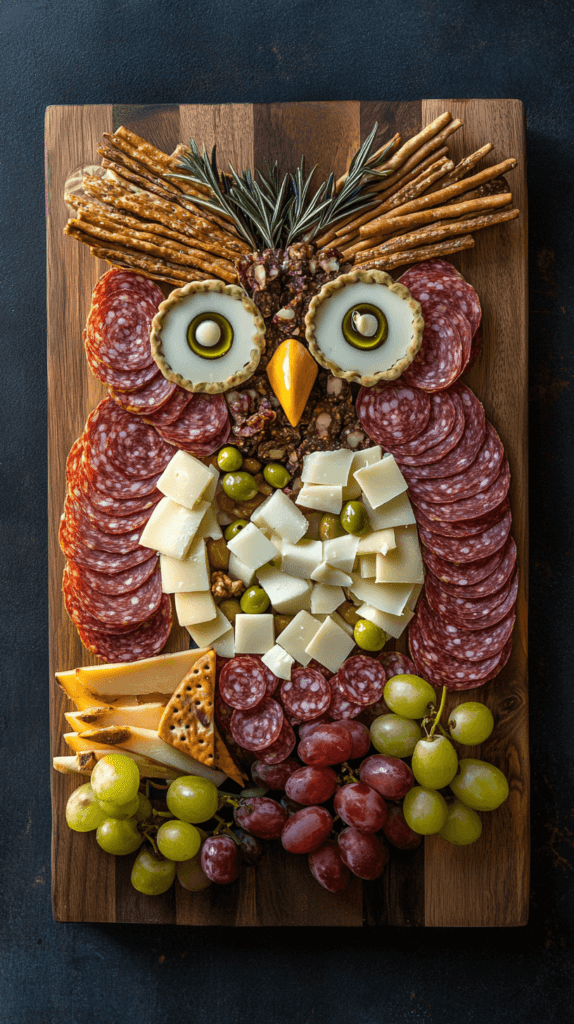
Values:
[(224, 343), (364, 341)]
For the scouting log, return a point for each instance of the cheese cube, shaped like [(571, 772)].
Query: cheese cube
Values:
[(325, 573), (240, 570), (288, 594), (283, 517), (340, 552), (330, 645), (366, 457), (325, 599), (254, 634), (368, 566), (171, 527), (209, 527), (185, 479), (387, 597), (416, 591), (381, 481), (328, 498), (252, 547), (404, 564), (194, 608), (297, 635), (225, 646), (327, 467), (210, 490), (204, 633), (394, 625), (300, 559), (373, 543), (397, 512), (340, 621), (186, 574), (279, 662)]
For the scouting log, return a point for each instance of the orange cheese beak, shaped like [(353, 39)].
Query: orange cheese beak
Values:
[(292, 371)]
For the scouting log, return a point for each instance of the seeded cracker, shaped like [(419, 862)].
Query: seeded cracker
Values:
[(187, 722)]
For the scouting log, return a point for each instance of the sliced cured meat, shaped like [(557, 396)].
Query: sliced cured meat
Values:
[(172, 409), (473, 507), (429, 268), (278, 751), (105, 476), (74, 460), (362, 679), (107, 523), (118, 329), (462, 530), (492, 583), (258, 728), (144, 642), (115, 280), (119, 380), (242, 683), (440, 359), (341, 706), (470, 645), (136, 448), (477, 477), (94, 538), (454, 290), (476, 348), (80, 614), (202, 419), (396, 664), (202, 450), (270, 677), (131, 608), (119, 583), (146, 400), (461, 574), (307, 694), (441, 448), (441, 421), (99, 561), (463, 454), (441, 669), (393, 412), (106, 503), (471, 614)]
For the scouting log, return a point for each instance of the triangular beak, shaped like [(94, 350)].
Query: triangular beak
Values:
[(292, 371)]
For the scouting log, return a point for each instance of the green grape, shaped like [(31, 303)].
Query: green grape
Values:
[(239, 486), (120, 811), (395, 736), (145, 809), (254, 601), (462, 826), (434, 762), (409, 695), (116, 779), (178, 840), (192, 799), (276, 475), (368, 636), (151, 875), (119, 837), (234, 528), (471, 723), (229, 459), (479, 784), (425, 810), (83, 812)]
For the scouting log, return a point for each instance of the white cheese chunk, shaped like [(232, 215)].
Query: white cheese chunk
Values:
[(185, 480), (171, 527), (381, 481), (372, 543), (288, 594), (209, 527), (325, 598), (387, 597), (279, 662), (210, 490), (327, 467), (225, 646), (252, 547), (204, 633), (340, 622), (240, 570), (394, 625), (254, 634), (404, 563), (195, 608), (325, 573), (368, 566), (328, 498), (330, 645), (301, 558), (297, 635), (282, 516), (340, 552), (397, 512), (366, 457), (416, 591), (186, 574)]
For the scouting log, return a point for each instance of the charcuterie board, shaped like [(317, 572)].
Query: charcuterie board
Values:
[(438, 884)]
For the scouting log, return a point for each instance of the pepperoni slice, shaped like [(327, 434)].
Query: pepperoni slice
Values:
[(242, 683), (480, 475), (473, 507), (362, 679), (99, 561), (341, 706), (471, 614), (144, 642), (94, 538), (471, 645), (146, 400), (393, 412), (462, 530), (131, 608), (136, 448), (307, 694), (492, 583), (119, 583), (396, 664), (439, 361), (463, 454), (279, 751), (259, 727)]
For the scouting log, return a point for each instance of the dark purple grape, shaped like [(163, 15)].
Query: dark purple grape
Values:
[(220, 859), (261, 816), (311, 785), (360, 806), (274, 776), (390, 776), (306, 728), (252, 849), (329, 744), (307, 830), (360, 736), (328, 868), (365, 855), (398, 832), (291, 806)]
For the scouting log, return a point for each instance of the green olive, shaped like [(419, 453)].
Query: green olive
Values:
[(330, 527), (219, 344), (365, 312), (217, 553), (254, 601), (239, 486), (354, 518), (281, 622), (276, 475), (229, 459), (368, 636), (230, 608), (234, 528)]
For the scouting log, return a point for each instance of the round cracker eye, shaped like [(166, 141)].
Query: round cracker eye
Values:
[(210, 335), (365, 326)]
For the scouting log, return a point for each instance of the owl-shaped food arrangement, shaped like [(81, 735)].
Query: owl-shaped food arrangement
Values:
[(287, 452)]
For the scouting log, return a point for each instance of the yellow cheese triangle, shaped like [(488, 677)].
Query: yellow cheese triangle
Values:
[(292, 372), (187, 722)]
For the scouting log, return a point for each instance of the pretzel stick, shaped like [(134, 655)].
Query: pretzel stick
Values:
[(419, 185), (410, 147), (148, 266), (124, 174), (398, 225), (435, 232), (152, 158), (428, 252), (111, 152), (466, 165), (428, 149)]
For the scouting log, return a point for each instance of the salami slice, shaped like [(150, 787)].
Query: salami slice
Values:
[(440, 361), (202, 419), (242, 683), (307, 694), (136, 448), (395, 664), (461, 574), (106, 503), (146, 400), (441, 448), (476, 348), (202, 450), (470, 645), (119, 380), (429, 268), (492, 583), (131, 608), (144, 642), (278, 751), (362, 679), (81, 615), (441, 421), (99, 561), (74, 460), (473, 507), (105, 476), (119, 583), (118, 330), (393, 412), (341, 706), (462, 530), (472, 614), (441, 669), (477, 477), (465, 451), (111, 524), (259, 727), (116, 279), (271, 679), (173, 408), (94, 538), (453, 290)]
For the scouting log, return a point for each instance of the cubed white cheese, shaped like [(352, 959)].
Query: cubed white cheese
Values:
[(327, 467), (192, 608), (204, 633), (252, 547), (366, 457), (280, 514), (209, 527), (288, 594), (225, 646), (340, 552), (404, 564), (325, 599), (387, 597), (240, 570), (394, 625), (397, 512), (327, 498), (297, 635), (186, 574), (301, 558), (171, 527), (279, 662), (372, 543), (324, 573), (381, 481), (330, 645), (368, 566), (185, 480), (254, 634), (340, 621)]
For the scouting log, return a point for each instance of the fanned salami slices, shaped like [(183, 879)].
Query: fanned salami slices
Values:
[(119, 380), (108, 523), (258, 728), (454, 674), (107, 504), (147, 400), (473, 507), (477, 477), (118, 610), (440, 360), (362, 679), (461, 456), (440, 424), (118, 329), (243, 683), (463, 530), (393, 412), (144, 642), (100, 561), (495, 580), (470, 645), (118, 583), (417, 456), (93, 537), (453, 290), (117, 280), (136, 448), (200, 425), (478, 614), (307, 694), (172, 410), (473, 548)]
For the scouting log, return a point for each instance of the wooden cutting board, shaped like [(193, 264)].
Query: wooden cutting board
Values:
[(437, 885)]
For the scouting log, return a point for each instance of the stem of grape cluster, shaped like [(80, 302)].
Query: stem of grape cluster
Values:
[(439, 713)]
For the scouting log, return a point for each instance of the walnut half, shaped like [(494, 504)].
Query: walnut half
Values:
[(223, 587)]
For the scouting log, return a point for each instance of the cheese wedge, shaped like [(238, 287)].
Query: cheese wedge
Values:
[(404, 563), (387, 597), (76, 691), (186, 480), (397, 512), (394, 625), (330, 645), (151, 675), (147, 743), (83, 762), (146, 716), (171, 527), (381, 481)]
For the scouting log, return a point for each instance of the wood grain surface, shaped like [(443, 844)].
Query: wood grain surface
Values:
[(439, 884)]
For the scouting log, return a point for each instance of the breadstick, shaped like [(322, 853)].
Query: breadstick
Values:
[(419, 185), (137, 230), (435, 232), (395, 225), (410, 147), (427, 252), (110, 152), (100, 215), (390, 147), (410, 170), (148, 266), (466, 165)]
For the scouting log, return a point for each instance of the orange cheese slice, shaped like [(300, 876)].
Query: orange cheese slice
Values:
[(292, 371)]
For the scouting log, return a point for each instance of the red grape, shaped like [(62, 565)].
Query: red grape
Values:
[(261, 817), (220, 859), (306, 728), (398, 832), (360, 736), (291, 806), (252, 849), (328, 868), (307, 830), (274, 776), (365, 855), (360, 806), (390, 776), (311, 785), (329, 744)]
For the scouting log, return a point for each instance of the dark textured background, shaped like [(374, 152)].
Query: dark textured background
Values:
[(139, 51)]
